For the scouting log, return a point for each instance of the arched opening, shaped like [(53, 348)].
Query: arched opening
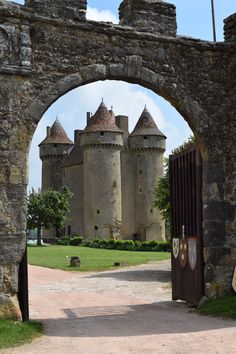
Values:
[(121, 96), (126, 99)]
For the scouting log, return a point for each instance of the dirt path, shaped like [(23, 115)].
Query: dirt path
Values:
[(122, 311)]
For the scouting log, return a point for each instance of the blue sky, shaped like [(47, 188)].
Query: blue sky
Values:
[(194, 20)]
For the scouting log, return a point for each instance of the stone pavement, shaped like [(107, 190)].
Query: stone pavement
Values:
[(127, 310)]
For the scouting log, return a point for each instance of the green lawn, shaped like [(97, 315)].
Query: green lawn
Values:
[(91, 258), (17, 333), (223, 307)]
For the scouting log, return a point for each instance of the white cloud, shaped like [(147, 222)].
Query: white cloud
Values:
[(104, 15)]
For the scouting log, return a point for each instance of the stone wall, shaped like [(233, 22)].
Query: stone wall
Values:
[(72, 10), (197, 77), (152, 16), (230, 28)]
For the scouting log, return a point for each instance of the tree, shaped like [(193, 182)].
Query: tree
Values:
[(48, 209), (162, 193), (162, 187)]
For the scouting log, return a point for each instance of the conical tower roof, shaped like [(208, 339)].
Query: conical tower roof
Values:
[(102, 120), (57, 135), (146, 126)]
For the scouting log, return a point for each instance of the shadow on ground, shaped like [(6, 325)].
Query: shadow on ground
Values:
[(138, 320), (163, 276)]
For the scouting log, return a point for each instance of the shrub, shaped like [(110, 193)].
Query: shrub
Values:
[(130, 245), (76, 240), (164, 247), (63, 241), (73, 241)]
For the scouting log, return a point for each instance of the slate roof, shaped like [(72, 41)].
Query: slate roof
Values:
[(146, 126), (57, 135), (102, 120)]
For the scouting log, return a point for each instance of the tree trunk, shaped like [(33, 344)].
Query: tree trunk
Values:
[(39, 242)]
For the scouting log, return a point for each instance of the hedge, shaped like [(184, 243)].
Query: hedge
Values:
[(70, 241), (129, 245)]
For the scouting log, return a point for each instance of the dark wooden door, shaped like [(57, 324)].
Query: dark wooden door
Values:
[(23, 296), (186, 226)]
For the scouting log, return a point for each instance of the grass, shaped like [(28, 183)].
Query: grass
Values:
[(223, 307), (13, 334), (92, 259)]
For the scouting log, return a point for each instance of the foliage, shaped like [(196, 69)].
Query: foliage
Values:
[(76, 241), (63, 241), (130, 245), (70, 241), (17, 333), (48, 209), (58, 257), (185, 145), (224, 307), (162, 193), (162, 187)]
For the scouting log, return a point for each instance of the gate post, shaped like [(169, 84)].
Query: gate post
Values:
[(23, 296)]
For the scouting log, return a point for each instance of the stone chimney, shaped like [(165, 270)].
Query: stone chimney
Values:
[(89, 115), (65, 9), (77, 135), (152, 16), (230, 28), (48, 131)]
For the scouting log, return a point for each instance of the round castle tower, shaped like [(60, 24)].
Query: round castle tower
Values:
[(147, 145), (53, 150), (102, 142)]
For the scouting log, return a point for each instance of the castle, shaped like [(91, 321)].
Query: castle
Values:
[(111, 174)]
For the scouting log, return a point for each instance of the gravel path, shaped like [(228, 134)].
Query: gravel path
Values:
[(128, 310)]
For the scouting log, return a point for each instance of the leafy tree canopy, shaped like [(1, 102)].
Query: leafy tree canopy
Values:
[(162, 187), (48, 209)]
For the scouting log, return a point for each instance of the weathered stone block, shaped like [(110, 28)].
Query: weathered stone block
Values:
[(66, 9), (230, 28), (15, 48), (151, 16), (75, 261), (9, 307)]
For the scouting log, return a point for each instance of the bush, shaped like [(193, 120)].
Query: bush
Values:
[(73, 241), (130, 245), (63, 241), (76, 240), (164, 247)]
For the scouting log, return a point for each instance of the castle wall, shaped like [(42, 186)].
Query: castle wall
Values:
[(102, 185), (148, 165), (52, 156), (73, 178), (128, 195), (149, 223)]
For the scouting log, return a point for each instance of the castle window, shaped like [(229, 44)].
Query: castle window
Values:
[(140, 172), (95, 227), (151, 211), (140, 190), (138, 155), (69, 230), (145, 137), (98, 212), (55, 145), (102, 133)]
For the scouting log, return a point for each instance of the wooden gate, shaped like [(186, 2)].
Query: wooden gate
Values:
[(186, 226), (23, 296)]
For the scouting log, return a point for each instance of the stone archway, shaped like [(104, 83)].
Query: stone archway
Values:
[(57, 51)]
